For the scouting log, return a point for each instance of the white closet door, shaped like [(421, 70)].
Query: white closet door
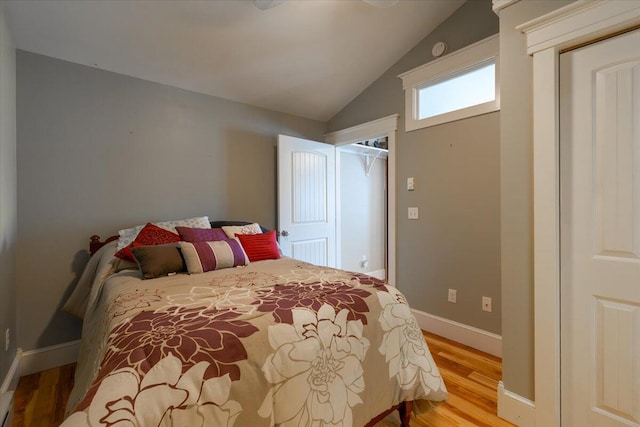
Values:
[(600, 233), (306, 200)]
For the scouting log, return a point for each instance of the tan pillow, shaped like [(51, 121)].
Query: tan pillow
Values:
[(159, 260), (232, 230)]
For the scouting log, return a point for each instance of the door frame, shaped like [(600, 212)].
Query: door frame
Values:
[(571, 26), (385, 126)]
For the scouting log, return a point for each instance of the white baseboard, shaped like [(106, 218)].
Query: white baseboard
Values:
[(30, 362), (515, 408), (49, 357), (9, 385), (10, 382), (464, 334), (6, 409)]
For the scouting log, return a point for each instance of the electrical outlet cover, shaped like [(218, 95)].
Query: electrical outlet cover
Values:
[(486, 304)]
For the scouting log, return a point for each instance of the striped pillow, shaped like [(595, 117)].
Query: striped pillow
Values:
[(207, 256), (260, 246)]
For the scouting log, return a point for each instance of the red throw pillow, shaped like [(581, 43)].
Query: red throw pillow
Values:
[(150, 235), (260, 246)]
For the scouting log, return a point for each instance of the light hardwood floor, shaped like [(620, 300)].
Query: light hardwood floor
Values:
[(470, 375)]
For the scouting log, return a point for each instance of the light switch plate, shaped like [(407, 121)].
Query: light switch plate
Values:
[(453, 296), (411, 184)]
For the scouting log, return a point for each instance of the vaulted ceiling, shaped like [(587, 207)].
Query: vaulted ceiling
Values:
[(309, 58)]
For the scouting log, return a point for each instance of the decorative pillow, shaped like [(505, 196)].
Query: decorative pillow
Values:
[(232, 230), (260, 246), (207, 256), (159, 260), (128, 235), (201, 234), (150, 235)]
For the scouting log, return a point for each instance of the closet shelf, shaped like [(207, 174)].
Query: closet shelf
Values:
[(370, 154), (381, 153)]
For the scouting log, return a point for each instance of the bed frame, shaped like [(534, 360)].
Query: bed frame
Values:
[(404, 408), (95, 243)]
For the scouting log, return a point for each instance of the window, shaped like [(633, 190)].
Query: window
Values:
[(460, 85)]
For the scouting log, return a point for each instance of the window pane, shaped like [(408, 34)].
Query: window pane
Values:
[(465, 90)]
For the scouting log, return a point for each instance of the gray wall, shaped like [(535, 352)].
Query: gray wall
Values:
[(456, 241), (8, 203), (516, 135), (100, 151)]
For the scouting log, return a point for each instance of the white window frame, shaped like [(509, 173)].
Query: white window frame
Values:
[(450, 66)]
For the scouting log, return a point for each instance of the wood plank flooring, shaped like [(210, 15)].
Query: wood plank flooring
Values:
[(470, 375)]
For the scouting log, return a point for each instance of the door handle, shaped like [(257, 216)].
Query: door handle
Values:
[(284, 233)]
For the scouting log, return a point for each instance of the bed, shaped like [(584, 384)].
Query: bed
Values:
[(274, 342)]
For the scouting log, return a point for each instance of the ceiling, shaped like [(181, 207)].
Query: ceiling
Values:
[(309, 58)]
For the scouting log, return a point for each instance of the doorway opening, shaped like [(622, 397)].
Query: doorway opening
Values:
[(357, 155), (361, 197)]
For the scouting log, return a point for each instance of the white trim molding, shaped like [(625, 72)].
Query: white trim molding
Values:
[(573, 25), (9, 385), (447, 67), (10, 382), (385, 126), (6, 409), (32, 361), (41, 359), (498, 5), (580, 22), (464, 334), (515, 408), (369, 130)]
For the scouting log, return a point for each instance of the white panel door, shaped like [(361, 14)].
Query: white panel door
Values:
[(306, 200), (600, 233)]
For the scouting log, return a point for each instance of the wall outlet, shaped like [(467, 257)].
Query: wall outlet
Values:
[(364, 262), (453, 295), (413, 213), (486, 304), (7, 338)]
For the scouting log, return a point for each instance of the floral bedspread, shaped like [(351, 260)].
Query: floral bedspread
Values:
[(277, 342)]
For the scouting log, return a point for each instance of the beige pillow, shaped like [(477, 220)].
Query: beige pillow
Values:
[(232, 230)]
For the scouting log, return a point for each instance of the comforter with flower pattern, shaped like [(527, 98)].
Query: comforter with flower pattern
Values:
[(278, 342)]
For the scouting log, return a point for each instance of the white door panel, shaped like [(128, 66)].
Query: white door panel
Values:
[(600, 233), (306, 200)]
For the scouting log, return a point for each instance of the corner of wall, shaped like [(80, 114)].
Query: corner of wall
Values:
[(8, 196)]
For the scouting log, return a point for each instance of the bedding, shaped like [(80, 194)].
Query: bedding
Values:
[(275, 342)]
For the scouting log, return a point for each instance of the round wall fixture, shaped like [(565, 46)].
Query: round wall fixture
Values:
[(439, 49)]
